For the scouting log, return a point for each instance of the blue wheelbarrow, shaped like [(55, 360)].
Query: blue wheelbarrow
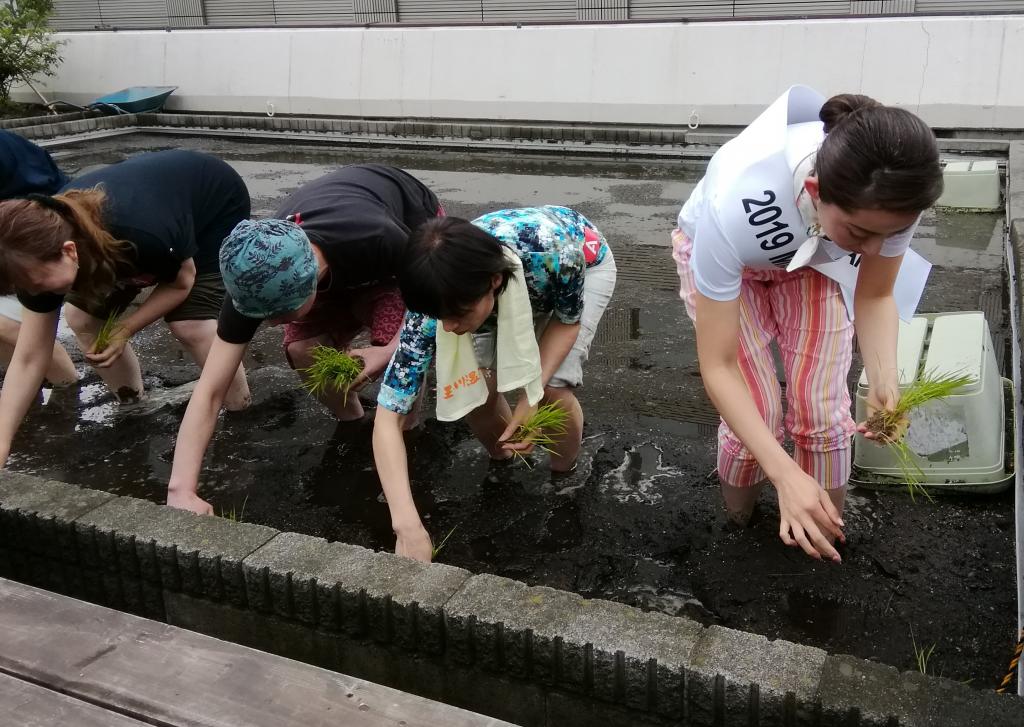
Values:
[(131, 100), (135, 99)]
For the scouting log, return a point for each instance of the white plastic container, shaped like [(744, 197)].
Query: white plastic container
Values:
[(973, 185), (959, 440)]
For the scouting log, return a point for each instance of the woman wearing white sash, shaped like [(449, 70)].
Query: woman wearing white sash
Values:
[(797, 234), (530, 286)]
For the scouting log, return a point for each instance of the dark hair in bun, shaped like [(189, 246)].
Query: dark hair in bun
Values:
[(876, 157)]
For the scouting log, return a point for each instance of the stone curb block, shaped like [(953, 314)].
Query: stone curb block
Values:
[(654, 668), (340, 587), (734, 674), (609, 650)]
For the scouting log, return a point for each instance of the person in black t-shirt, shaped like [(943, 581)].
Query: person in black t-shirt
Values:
[(154, 221), (325, 269), (28, 169)]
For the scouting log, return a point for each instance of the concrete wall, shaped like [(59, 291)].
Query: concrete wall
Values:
[(530, 655), (954, 71), (1015, 260)]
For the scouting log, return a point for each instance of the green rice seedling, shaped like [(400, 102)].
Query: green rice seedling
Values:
[(545, 428), (234, 516), (332, 370), (439, 546), (890, 425), (921, 654), (105, 336)]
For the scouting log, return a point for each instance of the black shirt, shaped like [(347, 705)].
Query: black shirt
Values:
[(171, 206), (360, 217)]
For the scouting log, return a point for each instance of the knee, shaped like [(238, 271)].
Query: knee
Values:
[(298, 354), (189, 333), (78, 320)]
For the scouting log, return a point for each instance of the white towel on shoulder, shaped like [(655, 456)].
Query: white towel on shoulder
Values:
[(460, 387)]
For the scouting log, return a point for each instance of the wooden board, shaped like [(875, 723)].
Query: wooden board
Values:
[(26, 705), (165, 675)]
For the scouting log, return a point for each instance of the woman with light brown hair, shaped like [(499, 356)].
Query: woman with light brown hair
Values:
[(154, 221)]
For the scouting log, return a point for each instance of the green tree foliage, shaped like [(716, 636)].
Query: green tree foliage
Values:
[(26, 49)]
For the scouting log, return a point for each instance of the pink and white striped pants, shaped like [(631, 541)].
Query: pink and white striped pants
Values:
[(804, 311)]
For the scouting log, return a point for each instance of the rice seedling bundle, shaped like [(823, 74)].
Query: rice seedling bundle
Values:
[(105, 336), (890, 425), (545, 428), (332, 370)]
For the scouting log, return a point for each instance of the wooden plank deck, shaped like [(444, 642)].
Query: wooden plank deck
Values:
[(66, 662)]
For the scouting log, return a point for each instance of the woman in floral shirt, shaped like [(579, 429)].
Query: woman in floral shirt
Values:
[(453, 272)]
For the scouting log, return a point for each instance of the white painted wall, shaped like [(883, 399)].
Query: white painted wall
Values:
[(963, 72)]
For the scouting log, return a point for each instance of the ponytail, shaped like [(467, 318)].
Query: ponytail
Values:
[(876, 157)]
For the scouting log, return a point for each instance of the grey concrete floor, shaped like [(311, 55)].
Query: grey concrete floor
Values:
[(640, 522)]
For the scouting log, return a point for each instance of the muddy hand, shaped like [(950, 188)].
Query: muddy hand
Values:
[(375, 360), (523, 411), (111, 353), (189, 501), (414, 543), (807, 517)]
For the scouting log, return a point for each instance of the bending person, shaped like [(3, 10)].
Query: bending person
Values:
[(28, 169), (809, 210), (154, 221), (326, 269), (477, 292)]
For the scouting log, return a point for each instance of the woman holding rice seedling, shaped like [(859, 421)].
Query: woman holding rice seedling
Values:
[(506, 303), (325, 268), (798, 232), (28, 169), (154, 221)]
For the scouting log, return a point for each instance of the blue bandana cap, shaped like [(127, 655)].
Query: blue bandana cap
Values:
[(268, 267)]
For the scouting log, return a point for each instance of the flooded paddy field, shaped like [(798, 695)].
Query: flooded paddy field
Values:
[(640, 520)]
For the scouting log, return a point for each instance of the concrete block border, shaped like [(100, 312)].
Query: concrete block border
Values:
[(531, 655), (668, 142)]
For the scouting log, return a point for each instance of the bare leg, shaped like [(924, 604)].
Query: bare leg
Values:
[(739, 502), (563, 459), (489, 420), (345, 408), (61, 371), (197, 337), (124, 376)]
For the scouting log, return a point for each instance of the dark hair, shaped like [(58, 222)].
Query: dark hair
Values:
[(34, 229), (876, 157), (449, 264)]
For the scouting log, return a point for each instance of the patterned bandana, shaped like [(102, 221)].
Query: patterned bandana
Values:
[(269, 267)]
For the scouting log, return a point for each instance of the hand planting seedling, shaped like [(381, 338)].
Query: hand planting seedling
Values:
[(889, 426), (331, 370), (544, 429), (105, 336)]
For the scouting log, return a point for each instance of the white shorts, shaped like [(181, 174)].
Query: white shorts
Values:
[(598, 285)]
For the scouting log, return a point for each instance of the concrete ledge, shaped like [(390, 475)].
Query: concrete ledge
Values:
[(533, 655)]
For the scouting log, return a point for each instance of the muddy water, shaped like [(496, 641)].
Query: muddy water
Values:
[(639, 522)]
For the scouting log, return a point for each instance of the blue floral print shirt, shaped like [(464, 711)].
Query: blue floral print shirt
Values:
[(556, 245)]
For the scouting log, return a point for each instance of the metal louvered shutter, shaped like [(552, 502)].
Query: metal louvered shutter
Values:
[(497, 11), (240, 12), (440, 11), (755, 8), (375, 11), (312, 12), (880, 7), (602, 9), (654, 9), (75, 15), (966, 6), (185, 13), (134, 13)]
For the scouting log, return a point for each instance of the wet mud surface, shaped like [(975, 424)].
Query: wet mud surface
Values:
[(639, 521)]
